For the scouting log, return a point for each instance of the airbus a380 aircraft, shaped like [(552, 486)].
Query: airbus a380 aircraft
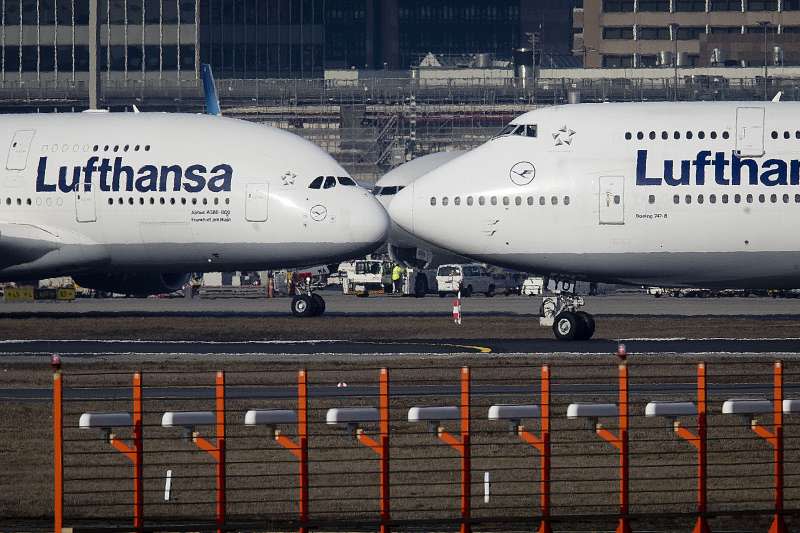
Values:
[(686, 194), (133, 202)]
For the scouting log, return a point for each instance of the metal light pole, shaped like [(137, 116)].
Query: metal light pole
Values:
[(674, 28), (765, 25), (94, 53)]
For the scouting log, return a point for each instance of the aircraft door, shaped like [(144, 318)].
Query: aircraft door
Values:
[(612, 200), (256, 202), (84, 204), (18, 150), (750, 131)]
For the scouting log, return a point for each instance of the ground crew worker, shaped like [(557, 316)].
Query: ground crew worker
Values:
[(397, 277)]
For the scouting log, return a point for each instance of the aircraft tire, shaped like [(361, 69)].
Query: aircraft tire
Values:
[(318, 303), (302, 306), (567, 326), (588, 325)]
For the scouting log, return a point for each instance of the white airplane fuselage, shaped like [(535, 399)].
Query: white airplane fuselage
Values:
[(676, 194), (151, 192)]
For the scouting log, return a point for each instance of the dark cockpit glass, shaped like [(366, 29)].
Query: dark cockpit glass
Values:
[(376, 190), (330, 182), (347, 182), (519, 130), (507, 130), (317, 183)]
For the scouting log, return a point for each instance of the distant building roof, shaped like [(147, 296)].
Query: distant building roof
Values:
[(477, 60)]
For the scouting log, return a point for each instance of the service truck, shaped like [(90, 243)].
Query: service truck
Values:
[(363, 276)]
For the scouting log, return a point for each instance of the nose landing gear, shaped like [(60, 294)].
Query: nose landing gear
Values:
[(561, 312)]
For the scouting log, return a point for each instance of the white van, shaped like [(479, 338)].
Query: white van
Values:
[(470, 279)]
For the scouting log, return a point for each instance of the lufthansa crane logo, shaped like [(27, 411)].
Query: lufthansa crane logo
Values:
[(522, 173), (318, 213)]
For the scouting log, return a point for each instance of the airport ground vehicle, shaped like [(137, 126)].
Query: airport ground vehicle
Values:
[(363, 276), (532, 286), (469, 279)]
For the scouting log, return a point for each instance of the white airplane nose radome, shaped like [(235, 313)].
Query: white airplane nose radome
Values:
[(402, 209), (372, 224)]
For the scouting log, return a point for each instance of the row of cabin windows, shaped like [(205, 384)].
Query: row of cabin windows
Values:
[(96, 148), (329, 182), (164, 201), (786, 134), (29, 201), (117, 148), (493, 200), (735, 198), (640, 135)]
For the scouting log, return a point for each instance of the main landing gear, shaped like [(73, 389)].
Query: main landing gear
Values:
[(561, 312), (306, 305)]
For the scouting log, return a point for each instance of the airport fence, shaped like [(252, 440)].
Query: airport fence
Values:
[(496, 446)]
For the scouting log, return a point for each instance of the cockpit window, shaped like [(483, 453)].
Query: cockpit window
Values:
[(317, 183), (330, 182), (347, 182), (520, 130), (376, 190), (389, 191), (508, 130)]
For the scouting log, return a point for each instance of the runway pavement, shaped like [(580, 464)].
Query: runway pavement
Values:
[(340, 305)]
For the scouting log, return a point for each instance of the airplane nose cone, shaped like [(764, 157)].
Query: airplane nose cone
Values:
[(402, 209), (373, 223)]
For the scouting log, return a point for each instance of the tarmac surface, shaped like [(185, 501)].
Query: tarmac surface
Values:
[(634, 304)]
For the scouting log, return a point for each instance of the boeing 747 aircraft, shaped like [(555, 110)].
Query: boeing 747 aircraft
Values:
[(675, 194), (134, 202)]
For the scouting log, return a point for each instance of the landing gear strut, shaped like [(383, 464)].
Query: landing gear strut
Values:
[(561, 312), (308, 304)]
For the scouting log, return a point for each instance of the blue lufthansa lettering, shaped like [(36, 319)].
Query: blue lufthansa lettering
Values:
[(119, 177), (726, 171), (641, 170)]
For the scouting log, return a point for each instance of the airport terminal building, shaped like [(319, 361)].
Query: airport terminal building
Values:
[(47, 41), (646, 33)]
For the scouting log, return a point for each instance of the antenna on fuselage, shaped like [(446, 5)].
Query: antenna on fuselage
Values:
[(210, 91)]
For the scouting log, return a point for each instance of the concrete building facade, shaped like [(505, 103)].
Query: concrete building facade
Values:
[(47, 41), (645, 33)]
